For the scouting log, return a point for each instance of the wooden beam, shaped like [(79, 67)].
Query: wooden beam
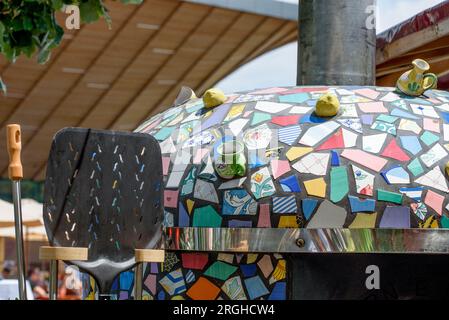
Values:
[(412, 41)]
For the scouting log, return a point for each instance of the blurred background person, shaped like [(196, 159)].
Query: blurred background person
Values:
[(38, 284)]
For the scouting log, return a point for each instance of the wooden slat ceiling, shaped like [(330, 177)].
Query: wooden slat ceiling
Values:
[(114, 79)]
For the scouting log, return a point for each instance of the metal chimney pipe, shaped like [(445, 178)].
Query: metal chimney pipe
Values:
[(337, 42)]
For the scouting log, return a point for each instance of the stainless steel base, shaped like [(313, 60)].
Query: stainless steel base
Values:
[(277, 240)]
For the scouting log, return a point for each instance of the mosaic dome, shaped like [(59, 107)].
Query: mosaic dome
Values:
[(380, 163)]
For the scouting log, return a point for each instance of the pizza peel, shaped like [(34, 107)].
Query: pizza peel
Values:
[(103, 191)]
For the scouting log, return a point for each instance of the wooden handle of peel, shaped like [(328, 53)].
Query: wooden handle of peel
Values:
[(14, 143)]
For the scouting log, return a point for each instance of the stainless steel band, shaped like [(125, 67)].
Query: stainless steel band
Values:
[(278, 240)]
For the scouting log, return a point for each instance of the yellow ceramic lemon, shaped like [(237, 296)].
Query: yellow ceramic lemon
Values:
[(327, 105), (213, 97)]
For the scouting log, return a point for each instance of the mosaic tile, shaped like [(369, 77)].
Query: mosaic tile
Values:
[(429, 138), (339, 183), (434, 155), (279, 167), (388, 196), (396, 175), (409, 125), (395, 217), (361, 205), (403, 114), (290, 184), (411, 144), (288, 222), (237, 126), (412, 193), (308, 207), (183, 217), (352, 123), (285, 121), (373, 143), (220, 270), (372, 107), (257, 138), (415, 167), (289, 135), (255, 287), (426, 111), (434, 201), (284, 204), (435, 179), (206, 217), (234, 112), (233, 288), (314, 163), (328, 215), (231, 184), (393, 151), (262, 184), (297, 152), (279, 273), (205, 191), (203, 289), (173, 283), (271, 107), (317, 133), (364, 220), (431, 125), (419, 209), (259, 117), (316, 187), (279, 291), (365, 159), (238, 202), (264, 216)]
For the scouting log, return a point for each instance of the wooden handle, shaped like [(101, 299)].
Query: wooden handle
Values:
[(14, 143), (149, 255), (63, 253)]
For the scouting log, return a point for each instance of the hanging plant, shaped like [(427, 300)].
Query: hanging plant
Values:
[(29, 27)]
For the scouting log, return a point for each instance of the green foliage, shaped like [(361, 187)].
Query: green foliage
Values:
[(28, 27)]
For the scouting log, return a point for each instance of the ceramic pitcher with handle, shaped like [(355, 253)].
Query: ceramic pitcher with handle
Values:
[(415, 81)]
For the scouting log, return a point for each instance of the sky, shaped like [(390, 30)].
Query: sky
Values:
[(278, 67)]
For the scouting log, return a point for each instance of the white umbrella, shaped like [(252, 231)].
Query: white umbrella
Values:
[(31, 213), (30, 233)]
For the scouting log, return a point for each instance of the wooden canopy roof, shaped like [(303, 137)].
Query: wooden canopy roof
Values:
[(114, 79)]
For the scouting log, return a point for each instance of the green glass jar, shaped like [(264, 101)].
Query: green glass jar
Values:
[(230, 161)]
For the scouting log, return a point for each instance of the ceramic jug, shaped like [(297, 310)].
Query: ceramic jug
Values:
[(415, 81)]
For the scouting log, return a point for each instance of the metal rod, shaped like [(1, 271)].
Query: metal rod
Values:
[(138, 274), (19, 238), (337, 42), (53, 294)]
